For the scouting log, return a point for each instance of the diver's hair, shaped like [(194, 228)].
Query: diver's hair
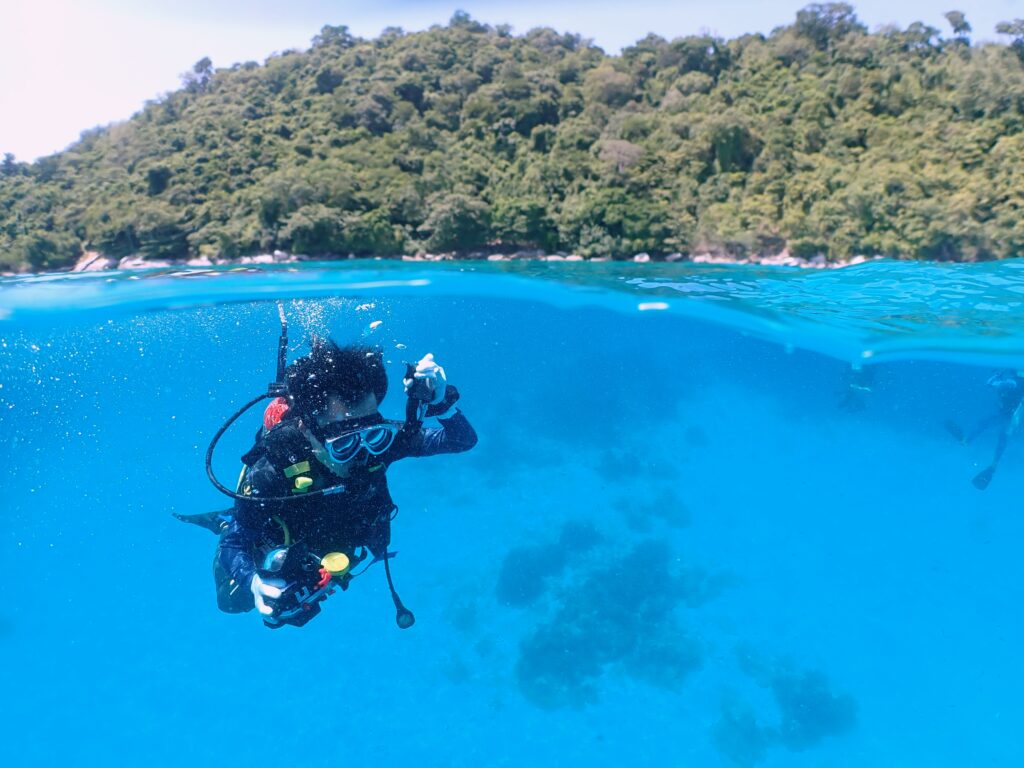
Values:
[(349, 372)]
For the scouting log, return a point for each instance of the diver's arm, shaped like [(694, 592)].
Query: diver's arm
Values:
[(235, 552), (455, 435), (239, 540), (427, 387)]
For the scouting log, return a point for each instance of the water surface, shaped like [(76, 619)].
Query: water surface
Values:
[(715, 518)]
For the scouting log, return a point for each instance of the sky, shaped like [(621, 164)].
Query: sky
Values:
[(69, 65)]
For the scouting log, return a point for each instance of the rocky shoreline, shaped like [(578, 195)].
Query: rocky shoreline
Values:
[(94, 261)]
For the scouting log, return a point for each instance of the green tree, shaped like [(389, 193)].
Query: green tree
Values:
[(827, 23), (456, 222), (198, 79), (524, 222), (314, 230), (607, 85), (1015, 30), (46, 250), (371, 233), (334, 37), (957, 20)]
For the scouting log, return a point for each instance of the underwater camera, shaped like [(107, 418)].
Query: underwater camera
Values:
[(309, 580)]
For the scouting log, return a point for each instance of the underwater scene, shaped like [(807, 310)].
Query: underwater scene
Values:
[(715, 516)]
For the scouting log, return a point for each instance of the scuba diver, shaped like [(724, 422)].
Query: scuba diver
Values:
[(313, 501), (1009, 386)]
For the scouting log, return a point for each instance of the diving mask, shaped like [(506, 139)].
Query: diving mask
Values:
[(375, 438)]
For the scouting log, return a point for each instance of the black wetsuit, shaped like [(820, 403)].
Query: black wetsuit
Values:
[(1010, 388), (356, 514)]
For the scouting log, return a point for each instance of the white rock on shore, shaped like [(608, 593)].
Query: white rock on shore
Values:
[(137, 262), (93, 261)]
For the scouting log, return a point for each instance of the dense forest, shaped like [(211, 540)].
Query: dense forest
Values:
[(820, 138)]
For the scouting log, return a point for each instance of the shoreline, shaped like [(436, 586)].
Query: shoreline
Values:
[(94, 261)]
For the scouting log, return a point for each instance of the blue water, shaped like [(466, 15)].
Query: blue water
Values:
[(683, 539)]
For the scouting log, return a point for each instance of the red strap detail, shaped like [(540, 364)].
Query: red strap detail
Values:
[(325, 578), (275, 412)]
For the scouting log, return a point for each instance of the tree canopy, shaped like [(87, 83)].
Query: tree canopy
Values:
[(821, 137)]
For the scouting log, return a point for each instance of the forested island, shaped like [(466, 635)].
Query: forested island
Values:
[(821, 139)]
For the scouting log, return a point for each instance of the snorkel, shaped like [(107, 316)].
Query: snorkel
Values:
[(276, 388)]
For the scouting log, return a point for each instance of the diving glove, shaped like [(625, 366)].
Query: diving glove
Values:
[(426, 382), (263, 590), (446, 408)]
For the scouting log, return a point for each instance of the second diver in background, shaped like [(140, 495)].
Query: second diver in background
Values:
[(1009, 387)]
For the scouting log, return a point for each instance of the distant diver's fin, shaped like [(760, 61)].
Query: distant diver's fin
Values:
[(983, 478), (958, 434), (215, 522)]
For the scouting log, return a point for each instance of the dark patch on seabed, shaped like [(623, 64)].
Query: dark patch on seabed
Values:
[(527, 571), (666, 507), (809, 711), (618, 613), (602, 607)]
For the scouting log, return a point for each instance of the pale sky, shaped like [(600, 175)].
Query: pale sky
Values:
[(70, 65)]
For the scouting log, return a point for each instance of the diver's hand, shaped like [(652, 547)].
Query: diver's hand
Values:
[(446, 408), (263, 590), (430, 375)]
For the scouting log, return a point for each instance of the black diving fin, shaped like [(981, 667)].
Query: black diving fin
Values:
[(954, 430), (983, 478), (215, 522)]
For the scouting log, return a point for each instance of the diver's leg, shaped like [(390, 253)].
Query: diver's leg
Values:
[(984, 425), (852, 402), (983, 478)]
